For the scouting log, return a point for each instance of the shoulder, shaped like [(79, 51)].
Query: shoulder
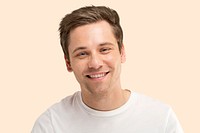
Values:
[(44, 123), (65, 104), (150, 107), (161, 113), (145, 101)]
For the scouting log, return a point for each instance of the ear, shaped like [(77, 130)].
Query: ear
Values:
[(69, 68), (123, 54)]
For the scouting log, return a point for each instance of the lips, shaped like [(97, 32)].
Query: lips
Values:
[(97, 75)]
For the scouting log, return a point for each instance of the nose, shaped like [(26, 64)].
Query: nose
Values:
[(95, 62)]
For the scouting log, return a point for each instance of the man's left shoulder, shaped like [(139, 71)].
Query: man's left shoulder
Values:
[(152, 104)]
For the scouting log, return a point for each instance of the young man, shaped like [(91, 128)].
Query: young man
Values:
[(92, 41)]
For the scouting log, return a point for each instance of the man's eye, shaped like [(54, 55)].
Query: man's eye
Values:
[(81, 54), (105, 50)]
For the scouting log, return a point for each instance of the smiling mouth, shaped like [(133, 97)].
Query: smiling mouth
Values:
[(99, 75)]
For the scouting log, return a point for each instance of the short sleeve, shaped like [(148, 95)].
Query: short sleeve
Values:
[(173, 125), (43, 124)]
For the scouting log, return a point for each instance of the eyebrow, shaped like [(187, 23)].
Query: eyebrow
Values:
[(82, 48), (106, 43)]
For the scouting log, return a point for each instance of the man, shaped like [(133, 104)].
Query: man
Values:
[(92, 41)]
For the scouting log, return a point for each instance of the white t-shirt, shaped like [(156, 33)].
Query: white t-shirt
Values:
[(140, 114)]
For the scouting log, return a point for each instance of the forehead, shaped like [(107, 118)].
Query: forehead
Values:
[(92, 34)]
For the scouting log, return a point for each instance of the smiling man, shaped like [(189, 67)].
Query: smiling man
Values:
[(97, 52), (92, 41)]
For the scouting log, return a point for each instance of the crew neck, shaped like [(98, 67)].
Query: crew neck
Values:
[(97, 113)]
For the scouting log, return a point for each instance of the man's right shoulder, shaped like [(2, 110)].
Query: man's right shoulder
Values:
[(54, 112)]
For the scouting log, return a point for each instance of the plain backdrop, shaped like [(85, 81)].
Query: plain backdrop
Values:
[(162, 42)]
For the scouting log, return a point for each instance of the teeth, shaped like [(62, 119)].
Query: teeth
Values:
[(97, 75)]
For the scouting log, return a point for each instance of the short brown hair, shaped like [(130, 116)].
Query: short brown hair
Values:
[(88, 15)]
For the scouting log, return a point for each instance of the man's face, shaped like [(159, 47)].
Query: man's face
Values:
[(95, 58)]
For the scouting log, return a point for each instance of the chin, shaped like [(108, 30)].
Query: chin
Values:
[(101, 90)]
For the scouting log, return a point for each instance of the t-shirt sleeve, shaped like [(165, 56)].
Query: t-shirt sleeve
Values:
[(173, 125), (43, 124)]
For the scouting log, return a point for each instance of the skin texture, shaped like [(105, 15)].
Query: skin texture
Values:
[(96, 62)]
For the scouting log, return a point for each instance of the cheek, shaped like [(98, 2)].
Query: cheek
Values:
[(78, 72), (109, 58), (78, 67), (109, 61), (113, 59)]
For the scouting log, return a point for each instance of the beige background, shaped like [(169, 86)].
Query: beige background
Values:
[(162, 41)]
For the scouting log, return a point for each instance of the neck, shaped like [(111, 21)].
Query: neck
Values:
[(107, 101)]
